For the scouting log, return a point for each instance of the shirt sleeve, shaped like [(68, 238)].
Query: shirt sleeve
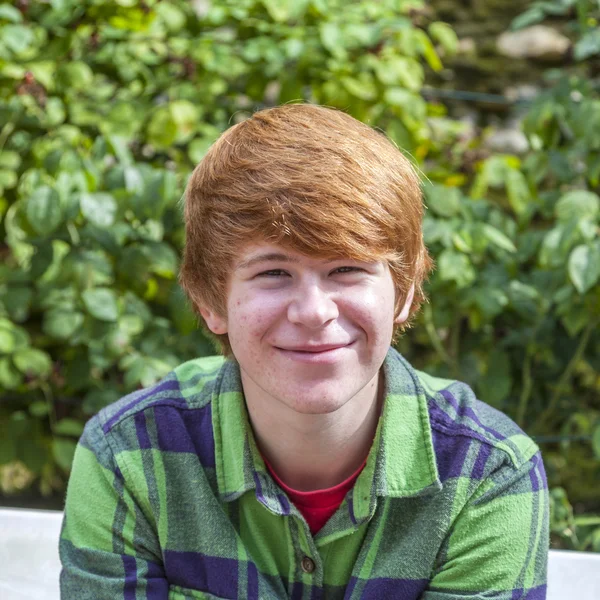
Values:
[(498, 545), (108, 548)]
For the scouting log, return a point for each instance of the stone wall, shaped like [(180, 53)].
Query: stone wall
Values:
[(491, 58), (494, 60)]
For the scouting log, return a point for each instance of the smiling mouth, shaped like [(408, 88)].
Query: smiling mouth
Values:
[(315, 349)]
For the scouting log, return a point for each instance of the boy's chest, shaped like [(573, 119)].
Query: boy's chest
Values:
[(247, 552)]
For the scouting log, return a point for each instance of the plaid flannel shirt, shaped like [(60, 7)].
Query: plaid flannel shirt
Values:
[(169, 499)]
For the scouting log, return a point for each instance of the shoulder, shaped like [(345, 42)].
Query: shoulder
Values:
[(188, 386), (471, 439), (455, 411), (184, 394)]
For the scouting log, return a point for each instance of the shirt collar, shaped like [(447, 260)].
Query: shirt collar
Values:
[(401, 462), (239, 465)]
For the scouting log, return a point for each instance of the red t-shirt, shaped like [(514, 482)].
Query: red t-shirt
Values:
[(319, 505)]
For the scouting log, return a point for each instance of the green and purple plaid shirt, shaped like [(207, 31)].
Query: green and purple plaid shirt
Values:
[(170, 499)]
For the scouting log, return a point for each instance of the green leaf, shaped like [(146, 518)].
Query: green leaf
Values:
[(9, 160), (361, 87), (17, 301), (410, 73), (428, 51), (588, 45), (10, 13), (584, 267), (455, 266), (575, 321), (489, 301), (78, 75), (400, 97), (101, 303), (44, 72), (38, 409), (7, 341), (63, 451), (525, 299), (16, 37), (68, 427), (445, 35), (61, 324), (117, 342), (400, 70), (43, 210), (186, 117), (556, 245), (279, 10), (143, 370), (463, 241), (55, 114), (121, 149), (173, 17), (163, 260), (332, 39), (10, 378), (12, 337), (42, 259), (8, 179), (123, 120), (496, 237), (442, 200), (578, 204), (33, 362), (529, 17), (131, 324), (162, 128), (99, 209), (517, 190)]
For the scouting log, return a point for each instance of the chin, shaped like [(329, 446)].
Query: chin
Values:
[(316, 404)]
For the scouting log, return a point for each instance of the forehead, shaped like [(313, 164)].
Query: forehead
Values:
[(259, 252)]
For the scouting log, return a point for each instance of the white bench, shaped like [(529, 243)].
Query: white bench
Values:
[(29, 564)]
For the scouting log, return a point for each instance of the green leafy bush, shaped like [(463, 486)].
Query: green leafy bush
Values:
[(105, 107)]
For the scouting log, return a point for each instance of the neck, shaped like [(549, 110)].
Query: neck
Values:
[(316, 451)]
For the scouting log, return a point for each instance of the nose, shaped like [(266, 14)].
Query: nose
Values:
[(312, 307)]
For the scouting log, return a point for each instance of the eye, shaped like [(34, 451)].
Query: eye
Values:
[(273, 273), (343, 270)]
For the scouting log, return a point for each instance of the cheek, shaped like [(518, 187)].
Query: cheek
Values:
[(375, 310), (248, 320), (376, 304)]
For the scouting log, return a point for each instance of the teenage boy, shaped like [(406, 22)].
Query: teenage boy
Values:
[(312, 461)]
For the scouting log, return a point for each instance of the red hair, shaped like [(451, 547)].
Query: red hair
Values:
[(311, 179)]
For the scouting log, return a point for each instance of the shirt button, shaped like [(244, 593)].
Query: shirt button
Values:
[(307, 564)]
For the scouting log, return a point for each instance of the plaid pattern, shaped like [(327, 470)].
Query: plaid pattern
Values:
[(170, 499)]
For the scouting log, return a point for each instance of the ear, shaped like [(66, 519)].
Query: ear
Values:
[(215, 322), (401, 318)]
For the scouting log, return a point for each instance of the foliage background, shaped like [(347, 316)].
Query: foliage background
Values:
[(106, 106)]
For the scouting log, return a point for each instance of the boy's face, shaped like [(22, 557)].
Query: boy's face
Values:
[(307, 332)]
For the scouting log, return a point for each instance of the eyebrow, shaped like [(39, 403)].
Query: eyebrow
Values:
[(270, 257), (265, 257)]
